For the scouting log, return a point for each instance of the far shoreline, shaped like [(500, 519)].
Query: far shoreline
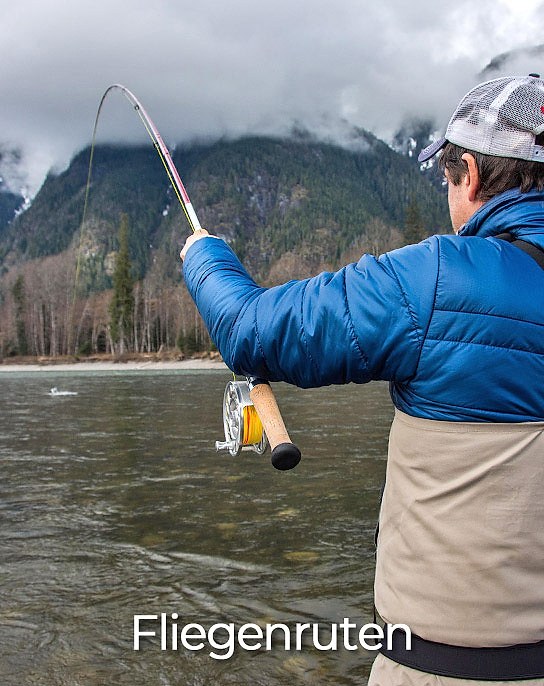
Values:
[(110, 363)]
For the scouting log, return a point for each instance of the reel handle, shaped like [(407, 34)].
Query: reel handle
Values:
[(285, 454)]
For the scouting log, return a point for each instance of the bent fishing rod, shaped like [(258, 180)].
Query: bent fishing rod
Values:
[(251, 416)]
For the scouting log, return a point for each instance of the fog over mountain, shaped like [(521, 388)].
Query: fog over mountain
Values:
[(212, 69)]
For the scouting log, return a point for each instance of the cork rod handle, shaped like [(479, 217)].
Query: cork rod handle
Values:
[(285, 454)]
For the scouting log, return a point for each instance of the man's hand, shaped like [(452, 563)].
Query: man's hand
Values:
[(197, 235)]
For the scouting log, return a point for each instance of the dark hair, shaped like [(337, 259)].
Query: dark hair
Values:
[(497, 174)]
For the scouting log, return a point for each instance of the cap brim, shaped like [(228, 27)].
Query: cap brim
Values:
[(431, 150)]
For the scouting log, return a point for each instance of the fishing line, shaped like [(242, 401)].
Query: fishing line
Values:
[(165, 165), (243, 427), (253, 429), (251, 416), (164, 156), (162, 152)]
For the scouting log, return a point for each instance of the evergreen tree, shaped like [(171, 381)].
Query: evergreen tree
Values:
[(188, 343), (414, 226), (122, 303), (19, 297)]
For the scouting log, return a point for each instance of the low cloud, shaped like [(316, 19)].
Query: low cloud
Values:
[(210, 68)]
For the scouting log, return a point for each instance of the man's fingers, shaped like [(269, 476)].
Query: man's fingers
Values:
[(197, 235)]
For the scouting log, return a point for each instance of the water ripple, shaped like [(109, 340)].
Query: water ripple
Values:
[(114, 503)]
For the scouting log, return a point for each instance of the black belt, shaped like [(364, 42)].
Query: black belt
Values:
[(509, 663)]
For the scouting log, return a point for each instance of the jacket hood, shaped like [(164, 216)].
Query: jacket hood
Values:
[(521, 214)]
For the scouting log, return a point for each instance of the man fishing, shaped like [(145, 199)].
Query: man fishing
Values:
[(456, 325)]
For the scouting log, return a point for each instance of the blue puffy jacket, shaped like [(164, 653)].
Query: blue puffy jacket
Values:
[(455, 323)]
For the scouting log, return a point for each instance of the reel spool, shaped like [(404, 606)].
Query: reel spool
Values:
[(243, 428)]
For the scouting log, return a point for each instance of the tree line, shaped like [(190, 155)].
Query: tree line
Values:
[(44, 314)]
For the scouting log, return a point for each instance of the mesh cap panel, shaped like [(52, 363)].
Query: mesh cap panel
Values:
[(500, 117)]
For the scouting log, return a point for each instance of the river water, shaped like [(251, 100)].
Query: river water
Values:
[(114, 503)]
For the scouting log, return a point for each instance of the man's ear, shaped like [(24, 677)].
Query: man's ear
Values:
[(472, 177)]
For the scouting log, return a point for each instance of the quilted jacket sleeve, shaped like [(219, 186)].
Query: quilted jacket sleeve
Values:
[(356, 324)]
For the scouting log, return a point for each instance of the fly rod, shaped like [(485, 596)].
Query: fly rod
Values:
[(243, 425)]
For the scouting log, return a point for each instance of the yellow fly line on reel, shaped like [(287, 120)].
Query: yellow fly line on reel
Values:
[(243, 428)]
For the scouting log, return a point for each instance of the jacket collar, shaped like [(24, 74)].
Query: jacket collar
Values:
[(521, 214)]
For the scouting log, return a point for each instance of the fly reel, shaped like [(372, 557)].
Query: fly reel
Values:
[(243, 428)]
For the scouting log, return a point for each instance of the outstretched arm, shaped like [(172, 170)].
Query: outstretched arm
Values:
[(350, 325)]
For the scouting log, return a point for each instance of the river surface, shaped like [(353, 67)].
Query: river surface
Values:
[(114, 503)]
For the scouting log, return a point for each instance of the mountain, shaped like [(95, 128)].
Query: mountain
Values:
[(514, 61), (10, 204), (265, 196), (289, 207)]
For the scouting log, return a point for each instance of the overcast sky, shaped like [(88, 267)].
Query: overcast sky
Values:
[(214, 67)]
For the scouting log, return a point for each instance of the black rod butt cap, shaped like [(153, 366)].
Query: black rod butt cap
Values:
[(285, 456)]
